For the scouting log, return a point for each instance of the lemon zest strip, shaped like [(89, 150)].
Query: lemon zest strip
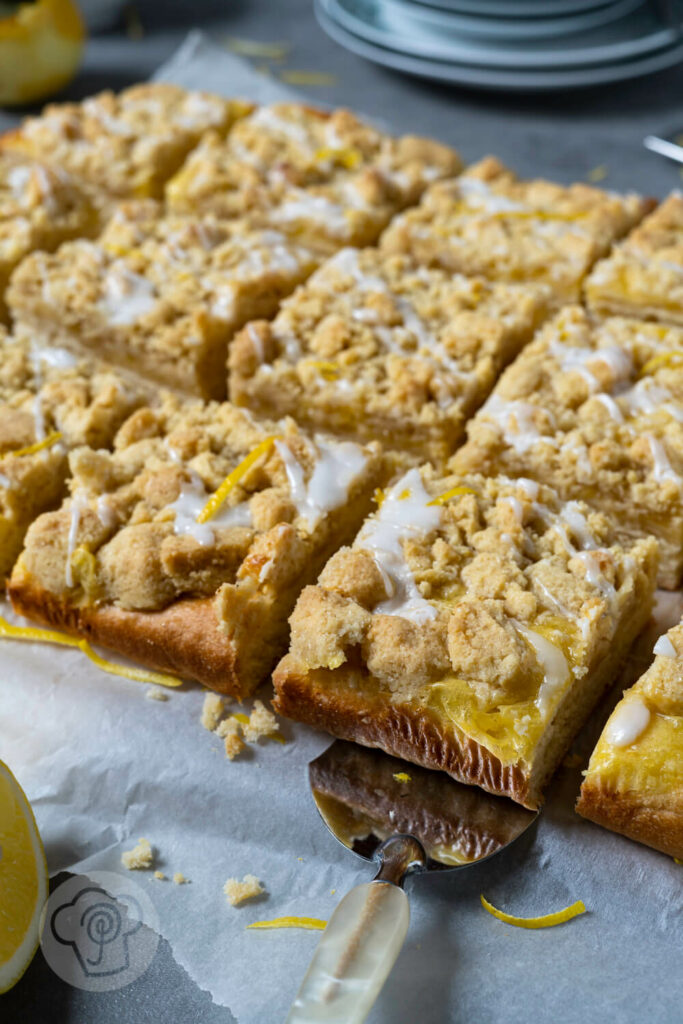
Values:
[(255, 48), (138, 675), (402, 776), (241, 718), (327, 369), (52, 636), (39, 446), (218, 497), (663, 359), (311, 923), (347, 157), (454, 492), (545, 921), (378, 496)]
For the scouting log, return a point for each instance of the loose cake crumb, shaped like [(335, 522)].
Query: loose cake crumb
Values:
[(212, 709), (160, 876), (140, 857), (230, 731), (237, 892), (179, 878), (262, 722), (155, 693)]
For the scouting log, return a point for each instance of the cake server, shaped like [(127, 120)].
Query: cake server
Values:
[(405, 820)]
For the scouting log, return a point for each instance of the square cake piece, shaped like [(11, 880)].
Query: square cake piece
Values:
[(634, 782), (643, 276), (488, 222), (159, 295), (471, 628), (187, 547), (125, 145), (371, 347), (50, 401), (596, 411), (326, 178), (40, 207)]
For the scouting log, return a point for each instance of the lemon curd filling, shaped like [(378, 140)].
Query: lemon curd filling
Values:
[(511, 731), (653, 763)]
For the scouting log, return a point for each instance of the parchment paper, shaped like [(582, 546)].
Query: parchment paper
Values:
[(102, 766)]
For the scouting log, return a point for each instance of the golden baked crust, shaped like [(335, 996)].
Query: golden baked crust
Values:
[(596, 411), (372, 347), (643, 276), (125, 145), (130, 561), (471, 627), (634, 782), (489, 222), (327, 178), (42, 391), (40, 207), (159, 295)]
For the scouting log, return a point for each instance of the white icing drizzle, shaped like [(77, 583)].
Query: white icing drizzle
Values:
[(628, 722), (127, 296), (79, 503), (516, 421), (304, 206), (479, 195), (190, 502), (336, 468), (662, 468), (5, 481), (257, 344), (611, 406), (105, 513), (401, 518), (552, 661), (574, 358), (665, 647)]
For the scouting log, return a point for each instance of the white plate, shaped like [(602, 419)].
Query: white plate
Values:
[(518, 8), (420, 32), (509, 80), (509, 24)]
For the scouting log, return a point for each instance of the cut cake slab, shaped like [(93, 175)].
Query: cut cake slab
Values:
[(634, 782), (187, 546), (471, 628)]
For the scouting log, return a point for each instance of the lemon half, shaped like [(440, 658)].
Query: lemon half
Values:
[(23, 881)]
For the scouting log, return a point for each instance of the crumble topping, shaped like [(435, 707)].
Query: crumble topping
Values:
[(373, 346), (140, 857), (238, 892), (126, 144), (489, 222), (483, 597)]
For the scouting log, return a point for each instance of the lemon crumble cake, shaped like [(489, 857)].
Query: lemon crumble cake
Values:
[(371, 347), (125, 145), (489, 222), (50, 401), (328, 178), (634, 782), (159, 295), (471, 628), (643, 276), (596, 411), (185, 548), (40, 207)]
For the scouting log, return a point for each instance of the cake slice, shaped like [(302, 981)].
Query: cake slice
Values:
[(596, 411), (159, 295), (125, 145), (40, 207), (634, 782), (643, 276), (471, 628), (371, 347), (326, 178), (50, 401), (489, 222), (186, 547)]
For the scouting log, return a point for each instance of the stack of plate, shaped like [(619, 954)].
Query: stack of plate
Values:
[(511, 44)]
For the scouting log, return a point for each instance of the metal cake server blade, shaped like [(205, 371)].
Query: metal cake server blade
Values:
[(406, 820)]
